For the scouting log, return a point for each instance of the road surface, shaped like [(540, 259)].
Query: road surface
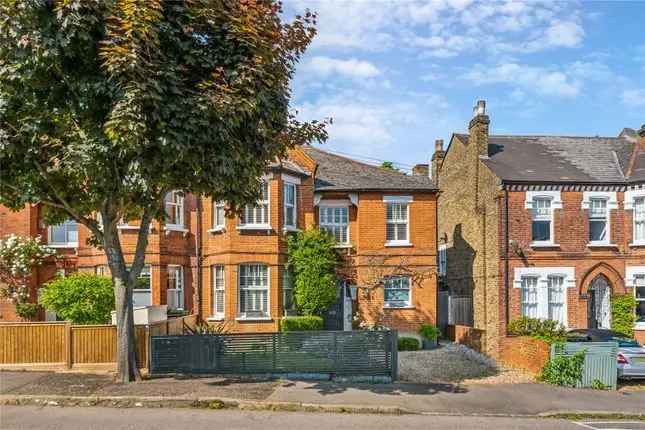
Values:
[(72, 418)]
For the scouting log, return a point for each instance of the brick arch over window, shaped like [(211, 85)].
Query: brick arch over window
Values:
[(616, 281)]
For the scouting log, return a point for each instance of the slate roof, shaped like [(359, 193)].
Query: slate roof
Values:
[(289, 166), (564, 159), (337, 173)]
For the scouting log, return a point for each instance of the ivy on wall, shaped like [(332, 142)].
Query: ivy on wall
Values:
[(622, 314)]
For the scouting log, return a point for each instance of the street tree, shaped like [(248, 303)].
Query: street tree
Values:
[(106, 106)]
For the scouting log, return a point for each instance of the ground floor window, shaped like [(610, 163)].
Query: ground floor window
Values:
[(142, 293), (396, 293), (530, 297), (639, 291), (556, 293), (218, 291), (254, 290), (287, 293), (175, 289)]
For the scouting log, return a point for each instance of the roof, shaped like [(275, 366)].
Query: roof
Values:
[(337, 173), (565, 159), (288, 166)]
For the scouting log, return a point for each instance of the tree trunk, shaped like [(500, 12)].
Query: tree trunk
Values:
[(126, 358)]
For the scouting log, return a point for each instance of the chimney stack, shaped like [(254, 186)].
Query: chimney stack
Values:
[(421, 170), (478, 128), (437, 160)]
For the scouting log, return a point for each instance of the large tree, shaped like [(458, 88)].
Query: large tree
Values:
[(107, 105)]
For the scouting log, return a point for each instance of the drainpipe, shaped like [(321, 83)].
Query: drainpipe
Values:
[(198, 256), (506, 263)]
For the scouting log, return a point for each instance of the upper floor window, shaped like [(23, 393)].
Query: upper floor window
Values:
[(639, 220), (65, 234), (542, 225), (219, 215), (174, 205), (217, 273), (335, 221), (290, 214), (254, 290), (175, 290), (396, 293), (258, 214), (598, 220), (396, 228)]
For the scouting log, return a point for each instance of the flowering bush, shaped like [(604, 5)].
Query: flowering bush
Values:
[(18, 257)]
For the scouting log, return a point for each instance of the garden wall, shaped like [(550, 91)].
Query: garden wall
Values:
[(466, 335), (524, 352)]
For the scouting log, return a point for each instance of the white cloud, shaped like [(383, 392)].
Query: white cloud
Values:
[(325, 66), (634, 97), (567, 34)]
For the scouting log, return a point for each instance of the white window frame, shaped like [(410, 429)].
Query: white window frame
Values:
[(556, 203), (632, 273), (147, 291), (177, 203), (218, 224), (67, 243), (398, 200), (324, 206), (216, 286), (244, 315), (442, 260), (286, 205), (265, 201), (393, 305), (543, 275), (525, 291), (611, 203), (178, 287), (639, 218), (550, 284), (631, 197), (598, 217)]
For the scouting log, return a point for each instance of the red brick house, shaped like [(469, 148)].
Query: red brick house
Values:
[(543, 226), (232, 269)]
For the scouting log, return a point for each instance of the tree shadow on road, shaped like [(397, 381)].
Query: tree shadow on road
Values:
[(394, 389)]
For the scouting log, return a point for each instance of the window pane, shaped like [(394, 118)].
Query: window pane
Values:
[(334, 220), (57, 233), (218, 290), (529, 297), (541, 231), (597, 231), (254, 286), (396, 291), (556, 299), (639, 220)]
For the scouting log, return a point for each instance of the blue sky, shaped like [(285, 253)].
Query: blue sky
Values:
[(396, 75)]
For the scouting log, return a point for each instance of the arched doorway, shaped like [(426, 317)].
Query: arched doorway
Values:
[(599, 303)]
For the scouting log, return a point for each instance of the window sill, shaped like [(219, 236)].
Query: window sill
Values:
[(256, 227), (216, 230), (178, 228), (397, 244), (344, 246), (127, 227), (215, 319), (291, 229), (63, 245), (394, 308), (637, 245), (253, 319), (544, 245), (602, 245)]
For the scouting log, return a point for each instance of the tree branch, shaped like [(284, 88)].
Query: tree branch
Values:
[(142, 243)]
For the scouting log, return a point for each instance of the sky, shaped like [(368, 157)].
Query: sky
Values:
[(396, 75)]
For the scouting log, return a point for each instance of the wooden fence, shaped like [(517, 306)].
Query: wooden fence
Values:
[(64, 344)]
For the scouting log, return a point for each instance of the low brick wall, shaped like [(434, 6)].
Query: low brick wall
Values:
[(524, 352), (470, 336), (640, 336)]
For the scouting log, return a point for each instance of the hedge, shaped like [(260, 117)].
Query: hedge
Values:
[(302, 323), (622, 314), (408, 344)]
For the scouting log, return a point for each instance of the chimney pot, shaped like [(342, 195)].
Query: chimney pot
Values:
[(480, 108), (438, 145), (421, 170)]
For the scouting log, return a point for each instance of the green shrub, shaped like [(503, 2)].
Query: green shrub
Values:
[(304, 323), (622, 314), (547, 330), (81, 298), (408, 344), (313, 260), (26, 310), (429, 331), (564, 370), (597, 384)]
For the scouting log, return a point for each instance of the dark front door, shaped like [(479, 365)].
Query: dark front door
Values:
[(333, 318), (592, 321)]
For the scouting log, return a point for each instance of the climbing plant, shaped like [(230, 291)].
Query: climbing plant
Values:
[(622, 314)]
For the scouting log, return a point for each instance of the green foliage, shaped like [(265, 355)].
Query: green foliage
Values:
[(564, 370), (26, 311), (388, 165), (623, 315), (313, 260), (408, 344), (429, 331), (548, 330), (303, 323), (82, 298), (597, 384)]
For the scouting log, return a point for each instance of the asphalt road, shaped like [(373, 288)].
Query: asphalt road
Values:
[(32, 417)]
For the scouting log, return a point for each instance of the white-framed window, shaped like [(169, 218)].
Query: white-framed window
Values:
[(442, 264), (396, 292), (529, 297), (253, 291), (288, 303), (219, 215), (290, 210), (335, 221), (258, 214), (142, 292), (556, 298), (639, 293), (175, 290), (639, 220), (64, 235), (598, 221), (219, 292), (542, 223), (174, 206), (396, 223), (102, 270)]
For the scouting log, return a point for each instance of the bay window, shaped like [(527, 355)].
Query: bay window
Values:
[(288, 303), (639, 292), (217, 273), (396, 292), (258, 214), (253, 290), (219, 215), (335, 221), (290, 212)]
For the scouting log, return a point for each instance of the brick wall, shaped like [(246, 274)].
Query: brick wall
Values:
[(525, 353), (471, 337)]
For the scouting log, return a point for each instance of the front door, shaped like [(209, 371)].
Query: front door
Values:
[(599, 304)]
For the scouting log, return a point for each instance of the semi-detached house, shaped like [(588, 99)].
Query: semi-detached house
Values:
[(233, 268), (547, 227)]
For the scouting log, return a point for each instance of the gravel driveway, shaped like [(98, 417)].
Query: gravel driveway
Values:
[(455, 363)]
